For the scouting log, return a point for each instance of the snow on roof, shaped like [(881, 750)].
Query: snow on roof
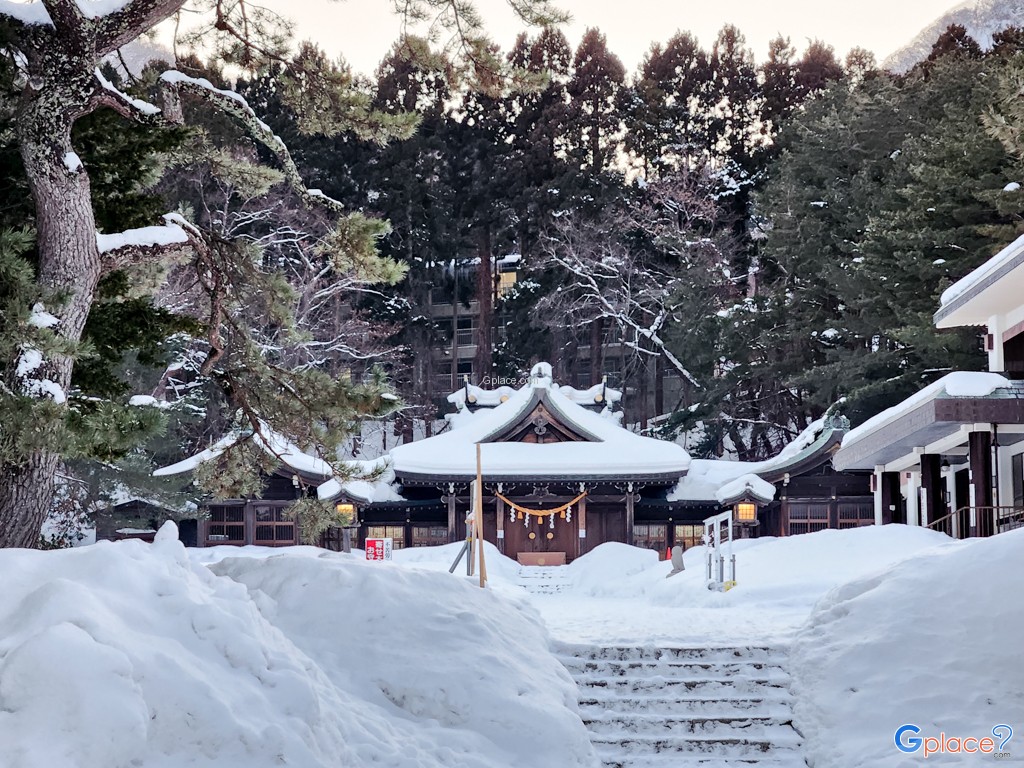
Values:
[(957, 384), (707, 479), (361, 489), (599, 394), (746, 486), (274, 444), (609, 449), (982, 278)]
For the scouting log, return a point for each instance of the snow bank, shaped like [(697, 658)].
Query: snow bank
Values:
[(947, 625), (128, 653), (779, 583), (465, 673)]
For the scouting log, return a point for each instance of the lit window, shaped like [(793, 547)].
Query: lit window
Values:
[(346, 512), (506, 280), (746, 512)]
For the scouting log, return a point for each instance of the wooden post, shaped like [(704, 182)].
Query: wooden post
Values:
[(478, 516), (500, 526), (581, 520), (453, 533), (979, 451), (629, 517), (934, 501)]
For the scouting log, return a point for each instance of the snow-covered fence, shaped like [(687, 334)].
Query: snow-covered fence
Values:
[(718, 549)]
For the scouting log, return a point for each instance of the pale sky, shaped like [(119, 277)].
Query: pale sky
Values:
[(363, 30)]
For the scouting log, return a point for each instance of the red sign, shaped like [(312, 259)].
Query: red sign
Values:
[(379, 549)]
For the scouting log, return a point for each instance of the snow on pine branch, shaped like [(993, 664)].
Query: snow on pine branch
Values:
[(173, 82), (137, 104), (158, 236)]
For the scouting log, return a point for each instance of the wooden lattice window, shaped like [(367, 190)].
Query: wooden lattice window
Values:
[(273, 529), (429, 535), (808, 516), (394, 532), (651, 536), (689, 535), (226, 525), (854, 514)]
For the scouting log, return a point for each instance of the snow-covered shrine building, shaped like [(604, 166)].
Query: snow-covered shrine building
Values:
[(951, 457), (560, 476)]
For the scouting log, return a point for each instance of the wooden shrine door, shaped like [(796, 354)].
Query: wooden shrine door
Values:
[(537, 539)]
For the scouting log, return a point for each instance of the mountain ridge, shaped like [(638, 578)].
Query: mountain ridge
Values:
[(981, 18)]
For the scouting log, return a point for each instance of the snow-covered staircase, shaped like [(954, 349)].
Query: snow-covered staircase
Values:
[(543, 580), (682, 707)]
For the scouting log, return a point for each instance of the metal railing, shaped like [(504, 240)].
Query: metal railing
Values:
[(718, 538), (969, 522)]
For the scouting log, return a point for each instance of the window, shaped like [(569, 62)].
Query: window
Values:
[(273, 527), (689, 535), (394, 532), (746, 512), (854, 514), (651, 536), (808, 516), (583, 380), (429, 535), (227, 525), (506, 281), (465, 331)]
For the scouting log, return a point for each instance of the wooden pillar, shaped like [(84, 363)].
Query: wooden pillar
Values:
[(249, 517), (892, 508), (501, 525), (581, 524), (629, 517), (453, 534), (979, 452), (933, 488)]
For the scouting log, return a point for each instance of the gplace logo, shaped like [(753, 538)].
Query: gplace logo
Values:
[(909, 740)]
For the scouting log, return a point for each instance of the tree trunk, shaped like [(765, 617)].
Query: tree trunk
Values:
[(485, 300), (596, 350), (69, 265)]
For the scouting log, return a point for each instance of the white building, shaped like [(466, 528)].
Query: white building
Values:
[(952, 456)]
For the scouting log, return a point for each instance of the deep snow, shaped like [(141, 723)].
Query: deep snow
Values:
[(131, 654)]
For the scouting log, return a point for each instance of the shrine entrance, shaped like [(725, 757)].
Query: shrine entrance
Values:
[(535, 540)]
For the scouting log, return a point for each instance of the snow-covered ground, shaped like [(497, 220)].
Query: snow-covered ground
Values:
[(131, 654)]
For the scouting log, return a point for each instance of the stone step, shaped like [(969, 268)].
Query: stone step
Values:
[(672, 760), (670, 706), (671, 667), (774, 730), (694, 688), (646, 653), (615, 747)]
